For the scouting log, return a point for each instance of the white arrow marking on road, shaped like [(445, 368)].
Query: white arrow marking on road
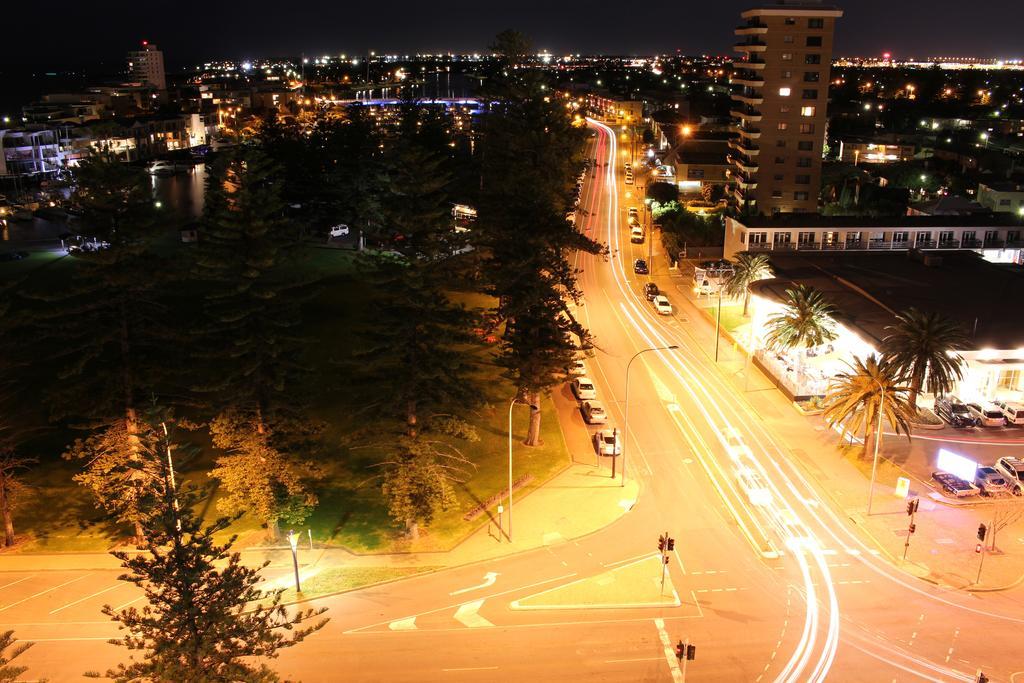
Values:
[(489, 579), (467, 615), (403, 624)]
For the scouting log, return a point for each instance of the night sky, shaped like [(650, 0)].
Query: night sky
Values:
[(84, 33)]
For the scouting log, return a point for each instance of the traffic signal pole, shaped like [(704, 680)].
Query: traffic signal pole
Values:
[(911, 510)]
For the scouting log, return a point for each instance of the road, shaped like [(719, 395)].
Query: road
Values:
[(786, 589)]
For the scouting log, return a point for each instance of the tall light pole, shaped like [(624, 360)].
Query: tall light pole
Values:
[(718, 318), (510, 406), (625, 410), (878, 442), (293, 541)]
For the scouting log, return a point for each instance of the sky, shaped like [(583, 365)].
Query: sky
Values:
[(72, 34)]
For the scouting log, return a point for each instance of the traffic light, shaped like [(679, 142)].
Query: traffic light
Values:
[(691, 652), (981, 532), (671, 544), (913, 528), (665, 558), (977, 548), (680, 650), (912, 505), (661, 543), (982, 678)]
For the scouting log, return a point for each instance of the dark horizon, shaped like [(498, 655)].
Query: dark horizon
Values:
[(85, 38)]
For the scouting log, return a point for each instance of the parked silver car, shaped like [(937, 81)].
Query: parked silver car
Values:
[(990, 481)]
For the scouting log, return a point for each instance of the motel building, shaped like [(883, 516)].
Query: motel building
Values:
[(868, 289)]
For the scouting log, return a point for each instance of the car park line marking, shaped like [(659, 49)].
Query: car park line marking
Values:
[(64, 640), (71, 604), (18, 581), (121, 607), (635, 659), (473, 668), (44, 592)]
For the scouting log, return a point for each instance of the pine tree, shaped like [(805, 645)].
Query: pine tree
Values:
[(257, 477), (13, 491), (532, 155), (206, 619), (11, 649)]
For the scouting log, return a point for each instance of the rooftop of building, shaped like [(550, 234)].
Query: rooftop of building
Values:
[(1004, 186), (869, 289), (814, 220), (815, 7)]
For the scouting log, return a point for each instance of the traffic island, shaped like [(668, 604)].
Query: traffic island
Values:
[(633, 585)]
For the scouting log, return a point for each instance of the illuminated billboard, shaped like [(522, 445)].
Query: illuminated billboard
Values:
[(957, 465)]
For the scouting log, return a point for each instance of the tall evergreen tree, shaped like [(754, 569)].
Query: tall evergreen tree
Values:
[(13, 490), (206, 619), (531, 157), (11, 649)]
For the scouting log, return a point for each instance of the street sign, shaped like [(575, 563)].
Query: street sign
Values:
[(902, 487)]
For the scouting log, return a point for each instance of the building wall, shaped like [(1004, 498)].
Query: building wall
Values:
[(875, 153), (147, 65), (789, 108), (1001, 201)]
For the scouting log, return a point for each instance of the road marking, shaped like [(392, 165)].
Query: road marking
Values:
[(489, 579), (403, 624), (636, 659), (13, 604), (12, 583), (467, 615), (121, 607), (473, 668), (71, 604), (670, 655)]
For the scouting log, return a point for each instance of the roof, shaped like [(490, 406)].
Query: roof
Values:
[(869, 289), (813, 220)]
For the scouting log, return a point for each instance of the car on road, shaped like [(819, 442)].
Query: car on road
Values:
[(1013, 412), (989, 481), (607, 442), (340, 230), (651, 290), (1012, 470), (640, 267), (955, 412), (954, 485), (583, 389), (990, 415), (632, 212), (636, 235), (662, 305), (594, 413), (753, 486), (577, 368), (629, 178)]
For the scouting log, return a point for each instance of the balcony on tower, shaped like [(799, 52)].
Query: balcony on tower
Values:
[(751, 44), (745, 113), (754, 26)]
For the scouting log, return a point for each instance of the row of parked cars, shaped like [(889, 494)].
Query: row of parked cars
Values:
[(963, 415), (607, 441), (1006, 476)]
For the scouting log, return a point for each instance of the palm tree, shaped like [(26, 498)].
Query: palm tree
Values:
[(807, 321), (749, 269), (853, 398), (922, 345)]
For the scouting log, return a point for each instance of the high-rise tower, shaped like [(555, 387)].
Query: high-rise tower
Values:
[(780, 104), (147, 66)]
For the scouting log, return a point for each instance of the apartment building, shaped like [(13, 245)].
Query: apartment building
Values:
[(780, 100), (147, 66)]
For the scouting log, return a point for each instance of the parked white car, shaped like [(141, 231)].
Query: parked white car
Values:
[(989, 414), (594, 413), (577, 368), (340, 230), (662, 305), (1013, 471), (1013, 412), (636, 235), (583, 389), (607, 442)]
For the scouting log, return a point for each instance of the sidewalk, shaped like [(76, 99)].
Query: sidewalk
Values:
[(942, 550), (578, 501)]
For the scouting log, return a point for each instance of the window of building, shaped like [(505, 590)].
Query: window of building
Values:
[(806, 128), (803, 180), (780, 143), (945, 237), (805, 146), (780, 160), (900, 237), (787, 75), (812, 76), (812, 58), (785, 92), (810, 94), (787, 56), (801, 196), (776, 194), (784, 109), (757, 238), (783, 125), (968, 236), (790, 21), (991, 235), (1004, 202), (787, 39), (805, 238), (803, 162), (816, 23), (806, 111), (695, 173), (923, 237), (1009, 379), (1012, 236), (813, 41)]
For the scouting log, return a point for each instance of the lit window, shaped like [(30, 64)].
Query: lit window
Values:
[(806, 111), (784, 92)]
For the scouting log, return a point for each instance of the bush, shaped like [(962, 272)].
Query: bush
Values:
[(663, 193)]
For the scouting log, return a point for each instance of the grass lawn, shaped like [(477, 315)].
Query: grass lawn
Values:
[(337, 579), (732, 316), (61, 515)]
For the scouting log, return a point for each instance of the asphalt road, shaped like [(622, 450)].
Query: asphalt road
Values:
[(784, 589)]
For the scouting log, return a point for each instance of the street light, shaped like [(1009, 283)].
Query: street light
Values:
[(625, 410), (293, 541), (878, 441), (510, 406)]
